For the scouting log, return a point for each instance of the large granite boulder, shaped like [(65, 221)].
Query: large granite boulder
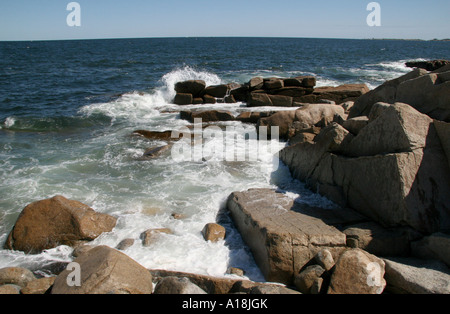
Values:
[(431, 65), (193, 87), (56, 221), (284, 235), (294, 121), (394, 171), (429, 94), (104, 270), (416, 276), (358, 272)]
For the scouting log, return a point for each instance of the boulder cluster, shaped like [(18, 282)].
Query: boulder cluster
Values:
[(259, 91), (381, 156)]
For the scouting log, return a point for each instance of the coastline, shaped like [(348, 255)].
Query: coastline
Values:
[(326, 135)]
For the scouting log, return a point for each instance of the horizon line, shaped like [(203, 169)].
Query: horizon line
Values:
[(195, 37)]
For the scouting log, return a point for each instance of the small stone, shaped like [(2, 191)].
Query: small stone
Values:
[(213, 232), (149, 237), (125, 244)]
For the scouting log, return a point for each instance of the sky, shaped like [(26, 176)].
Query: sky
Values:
[(47, 19)]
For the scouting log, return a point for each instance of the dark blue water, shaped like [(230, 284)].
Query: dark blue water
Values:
[(68, 109), (56, 78)]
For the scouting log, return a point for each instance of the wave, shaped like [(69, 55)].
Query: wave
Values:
[(140, 106), (51, 124)]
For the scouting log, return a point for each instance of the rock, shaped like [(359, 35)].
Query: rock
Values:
[(155, 152), (256, 83), (259, 100), (300, 81), (197, 101), (443, 131), (125, 244), (241, 93), (399, 153), (358, 272), (413, 276), (104, 270), (429, 94), (306, 279), (217, 91), (380, 241), (338, 94), (281, 101), (57, 221), (281, 237), (9, 289), (150, 236), (175, 285), (183, 99), (347, 106), (355, 125), (16, 276), (213, 232), (431, 65), (384, 93), (272, 289), (207, 115), (212, 285), (306, 117), (38, 286), (230, 99), (207, 99), (274, 83), (235, 271), (193, 87), (79, 250), (400, 128), (292, 91), (302, 137), (303, 158), (377, 109), (325, 259), (155, 135), (435, 246)]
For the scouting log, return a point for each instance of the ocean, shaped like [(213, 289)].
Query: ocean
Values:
[(68, 110)]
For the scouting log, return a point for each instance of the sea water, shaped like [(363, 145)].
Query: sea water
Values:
[(68, 110)]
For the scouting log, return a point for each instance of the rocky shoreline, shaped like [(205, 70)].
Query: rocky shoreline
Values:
[(382, 156)]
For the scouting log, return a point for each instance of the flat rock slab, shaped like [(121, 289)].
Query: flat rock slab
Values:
[(416, 276), (282, 240)]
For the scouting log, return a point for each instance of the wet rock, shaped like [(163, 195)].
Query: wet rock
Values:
[(183, 99), (150, 236), (213, 232), (193, 87), (57, 221), (282, 234), (125, 244)]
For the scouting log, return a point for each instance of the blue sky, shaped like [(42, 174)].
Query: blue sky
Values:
[(46, 19)]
